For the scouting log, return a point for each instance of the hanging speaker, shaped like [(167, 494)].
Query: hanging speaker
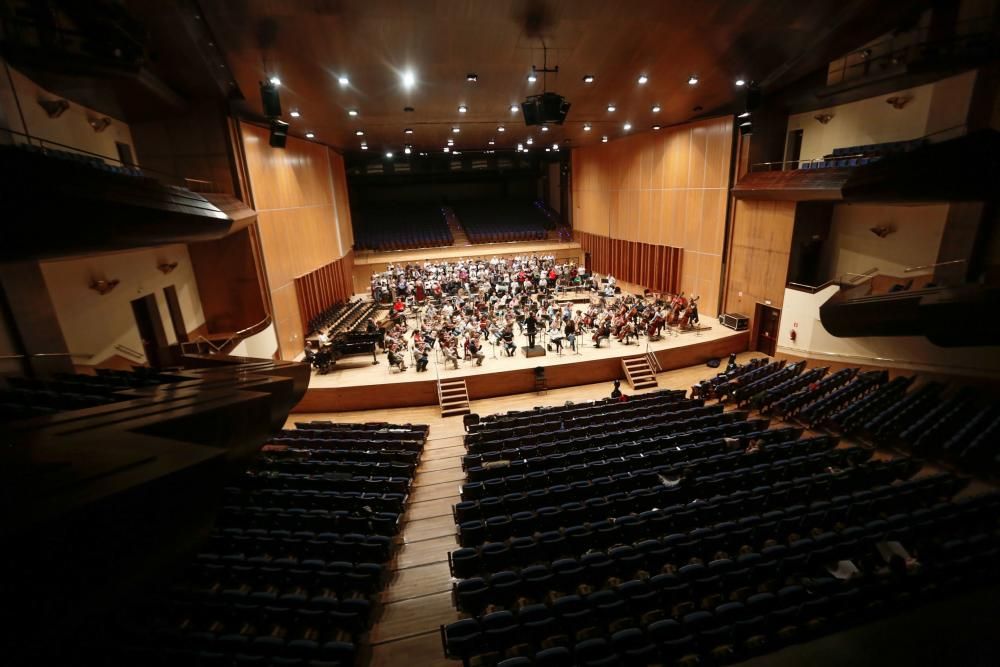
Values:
[(279, 133), (269, 99), (753, 97)]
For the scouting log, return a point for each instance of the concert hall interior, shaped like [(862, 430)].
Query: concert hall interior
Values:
[(499, 334)]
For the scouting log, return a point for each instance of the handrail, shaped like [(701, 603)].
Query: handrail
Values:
[(129, 351), (246, 332), (911, 269)]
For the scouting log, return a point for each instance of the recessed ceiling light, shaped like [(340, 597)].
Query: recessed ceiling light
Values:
[(294, 114), (388, 154), (472, 76), (364, 147), (360, 133), (275, 81), (656, 127), (310, 135), (343, 80), (555, 147), (456, 130), (501, 128), (491, 142), (408, 130), (451, 142), (627, 126), (588, 78), (514, 108), (643, 79), (407, 150), (462, 108), (525, 150), (456, 152), (520, 147), (352, 112), (586, 127), (547, 150), (529, 141), (545, 128), (532, 78), (656, 108), (409, 79), (604, 139), (447, 150), (611, 107), (693, 80), (745, 114), (741, 82)]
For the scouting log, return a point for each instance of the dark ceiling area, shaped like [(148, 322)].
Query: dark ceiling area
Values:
[(231, 46)]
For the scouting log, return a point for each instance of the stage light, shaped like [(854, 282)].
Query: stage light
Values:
[(604, 139), (520, 147), (531, 77), (514, 108), (310, 135), (545, 128), (409, 79), (407, 150), (611, 107), (693, 80), (408, 130), (364, 147), (656, 108), (491, 142), (627, 126), (462, 108), (741, 82), (359, 133), (388, 154), (294, 114), (471, 76), (500, 128), (547, 150), (456, 130), (656, 127), (586, 127), (451, 142), (447, 150), (745, 114), (555, 147), (352, 112), (588, 78), (529, 141), (275, 81), (343, 80), (643, 79)]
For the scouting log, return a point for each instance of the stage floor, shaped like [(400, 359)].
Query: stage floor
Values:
[(358, 371)]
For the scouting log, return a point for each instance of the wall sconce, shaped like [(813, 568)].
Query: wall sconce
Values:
[(100, 124), (898, 101), (54, 108), (102, 287), (882, 231), (824, 118), (166, 267)]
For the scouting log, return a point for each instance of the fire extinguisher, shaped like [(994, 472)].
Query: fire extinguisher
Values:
[(792, 335)]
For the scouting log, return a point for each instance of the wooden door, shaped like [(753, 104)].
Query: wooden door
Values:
[(765, 322), (150, 325)]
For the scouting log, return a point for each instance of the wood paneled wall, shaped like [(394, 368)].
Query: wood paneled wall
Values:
[(665, 188), (300, 195), (657, 267), (758, 254), (318, 290)]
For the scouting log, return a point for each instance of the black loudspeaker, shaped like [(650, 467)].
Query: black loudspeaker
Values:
[(279, 133), (269, 99), (746, 127), (753, 98), (544, 109)]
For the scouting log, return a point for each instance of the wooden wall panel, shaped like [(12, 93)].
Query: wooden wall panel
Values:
[(303, 217), (654, 266), (665, 189), (329, 284), (758, 255)]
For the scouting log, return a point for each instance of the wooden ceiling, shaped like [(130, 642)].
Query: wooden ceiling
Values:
[(308, 44)]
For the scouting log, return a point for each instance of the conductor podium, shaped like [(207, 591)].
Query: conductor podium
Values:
[(536, 351)]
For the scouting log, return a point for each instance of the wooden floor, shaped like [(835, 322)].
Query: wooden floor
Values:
[(417, 599)]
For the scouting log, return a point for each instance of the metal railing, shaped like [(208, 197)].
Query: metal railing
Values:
[(221, 347)]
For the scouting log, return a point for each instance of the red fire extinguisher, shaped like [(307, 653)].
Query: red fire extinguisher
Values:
[(792, 335)]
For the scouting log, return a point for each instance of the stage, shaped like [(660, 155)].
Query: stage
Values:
[(357, 384)]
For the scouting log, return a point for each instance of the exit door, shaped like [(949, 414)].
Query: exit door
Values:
[(766, 319), (150, 326)]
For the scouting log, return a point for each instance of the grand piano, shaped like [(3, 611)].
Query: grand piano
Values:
[(348, 343)]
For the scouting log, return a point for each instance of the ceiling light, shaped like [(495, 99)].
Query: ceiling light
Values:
[(352, 112), (532, 78), (471, 76), (456, 152), (643, 79), (310, 135), (555, 147), (501, 129), (745, 114), (741, 82), (406, 150), (388, 154), (627, 126), (462, 108), (545, 128), (408, 130), (693, 80), (525, 150), (586, 127), (294, 114), (520, 147), (491, 142), (360, 133), (529, 141), (611, 107), (547, 150), (588, 78), (451, 142), (409, 79), (456, 130), (656, 108), (447, 150), (656, 127), (364, 147), (343, 80), (275, 81), (604, 139), (514, 108)]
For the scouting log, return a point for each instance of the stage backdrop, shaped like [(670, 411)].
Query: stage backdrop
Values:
[(659, 190)]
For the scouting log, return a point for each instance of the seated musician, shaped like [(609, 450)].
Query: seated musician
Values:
[(396, 359), (555, 336), (450, 353), (422, 358), (474, 351), (324, 339), (570, 330), (508, 341), (627, 332), (603, 332)]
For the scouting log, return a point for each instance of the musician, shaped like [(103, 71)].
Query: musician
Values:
[(396, 359), (473, 351), (324, 339), (508, 341), (422, 358), (693, 311), (450, 350), (603, 331), (570, 330), (531, 325), (555, 335)]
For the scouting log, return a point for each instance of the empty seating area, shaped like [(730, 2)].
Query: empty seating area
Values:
[(503, 221), (291, 571), (399, 226), (350, 316), (23, 398), (84, 159), (667, 530), (857, 156)]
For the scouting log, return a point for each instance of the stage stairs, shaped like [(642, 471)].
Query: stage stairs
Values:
[(639, 372), (453, 396)]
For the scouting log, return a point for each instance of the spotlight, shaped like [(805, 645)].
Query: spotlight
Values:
[(643, 79), (745, 114), (693, 80), (462, 108), (100, 124), (294, 114), (491, 142), (656, 108), (409, 79), (520, 147), (408, 130), (501, 128), (352, 112), (627, 126), (447, 150), (471, 76), (586, 127), (529, 141), (604, 139), (555, 147), (343, 80), (456, 130), (407, 150), (531, 77), (359, 133), (514, 108), (388, 154), (275, 81), (741, 82), (548, 150), (451, 142), (611, 107), (310, 135), (364, 147), (545, 128), (656, 127), (588, 78)]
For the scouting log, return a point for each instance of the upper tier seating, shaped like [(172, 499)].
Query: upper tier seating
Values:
[(856, 156), (400, 227), (500, 221)]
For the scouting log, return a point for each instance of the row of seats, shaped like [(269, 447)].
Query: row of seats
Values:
[(502, 221), (332, 316), (400, 226), (815, 403)]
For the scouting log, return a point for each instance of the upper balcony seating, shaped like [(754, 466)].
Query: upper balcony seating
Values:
[(856, 156), (400, 227)]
